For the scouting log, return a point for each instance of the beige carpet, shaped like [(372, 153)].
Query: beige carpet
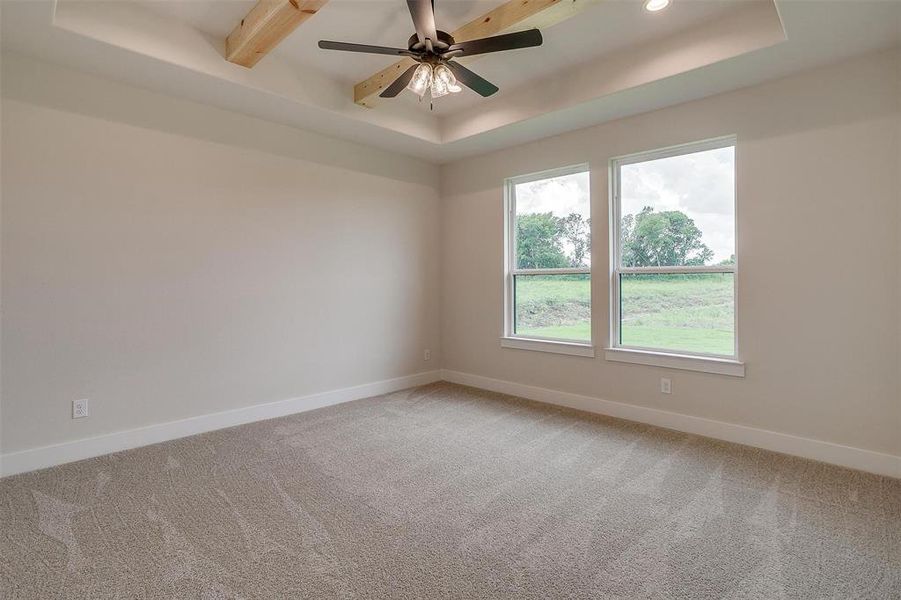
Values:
[(449, 492)]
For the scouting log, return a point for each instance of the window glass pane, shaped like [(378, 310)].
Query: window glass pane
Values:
[(553, 306), (687, 313), (679, 210), (553, 223)]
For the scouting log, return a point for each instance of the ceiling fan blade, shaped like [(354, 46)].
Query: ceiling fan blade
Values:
[(423, 13), (498, 43), (481, 86), (366, 48), (400, 83)]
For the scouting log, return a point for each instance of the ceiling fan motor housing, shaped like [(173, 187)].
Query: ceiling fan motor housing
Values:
[(444, 41)]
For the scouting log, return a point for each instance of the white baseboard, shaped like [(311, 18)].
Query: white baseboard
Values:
[(57, 454), (845, 456)]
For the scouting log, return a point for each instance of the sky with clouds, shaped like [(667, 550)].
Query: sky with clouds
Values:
[(702, 185), (560, 195)]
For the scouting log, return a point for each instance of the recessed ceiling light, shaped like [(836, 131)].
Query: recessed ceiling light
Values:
[(655, 5)]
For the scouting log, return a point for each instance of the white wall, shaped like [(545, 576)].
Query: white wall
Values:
[(166, 259), (818, 286)]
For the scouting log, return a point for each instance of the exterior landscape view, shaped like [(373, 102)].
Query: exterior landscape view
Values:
[(688, 312)]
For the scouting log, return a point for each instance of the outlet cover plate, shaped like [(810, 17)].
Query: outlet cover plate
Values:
[(666, 385), (79, 408)]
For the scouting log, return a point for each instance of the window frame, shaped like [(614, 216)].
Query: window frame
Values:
[(684, 359), (509, 337)]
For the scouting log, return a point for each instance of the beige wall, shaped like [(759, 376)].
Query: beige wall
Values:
[(818, 285), (165, 259)]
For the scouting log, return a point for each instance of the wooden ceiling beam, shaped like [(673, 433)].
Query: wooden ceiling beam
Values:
[(267, 24), (513, 15)]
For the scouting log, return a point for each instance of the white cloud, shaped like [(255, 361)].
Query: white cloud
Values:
[(561, 196)]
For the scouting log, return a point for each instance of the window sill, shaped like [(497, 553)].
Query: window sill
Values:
[(718, 366), (570, 348)]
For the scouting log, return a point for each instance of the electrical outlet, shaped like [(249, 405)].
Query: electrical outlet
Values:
[(427, 354), (80, 408), (666, 385)]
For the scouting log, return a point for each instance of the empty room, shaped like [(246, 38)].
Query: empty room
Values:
[(477, 299)]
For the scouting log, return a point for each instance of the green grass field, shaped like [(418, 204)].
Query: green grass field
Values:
[(671, 312)]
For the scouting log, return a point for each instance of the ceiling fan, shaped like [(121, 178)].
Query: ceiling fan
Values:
[(435, 50)]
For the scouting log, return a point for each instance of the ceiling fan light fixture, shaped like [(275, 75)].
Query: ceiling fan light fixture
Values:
[(422, 79), (444, 82), (439, 88), (656, 5)]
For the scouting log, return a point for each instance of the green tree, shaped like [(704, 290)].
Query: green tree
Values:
[(577, 232), (539, 242), (657, 239)]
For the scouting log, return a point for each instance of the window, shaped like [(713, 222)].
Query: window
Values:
[(673, 255), (548, 295)]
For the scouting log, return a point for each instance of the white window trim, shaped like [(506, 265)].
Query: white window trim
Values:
[(548, 345), (685, 362), (709, 363), (508, 338)]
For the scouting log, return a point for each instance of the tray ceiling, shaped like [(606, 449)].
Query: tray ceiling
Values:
[(612, 60)]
